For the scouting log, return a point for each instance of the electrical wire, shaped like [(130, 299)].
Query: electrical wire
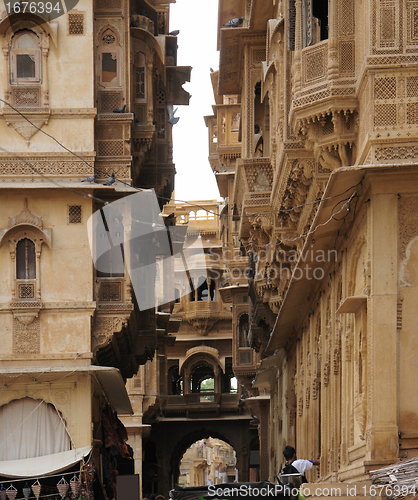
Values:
[(136, 188), (60, 144)]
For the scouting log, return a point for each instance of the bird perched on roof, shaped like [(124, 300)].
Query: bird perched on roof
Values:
[(211, 70), (234, 23), (174, 33), (110, 180), (172, 120), (90, 179), (255, 419), (170, 220), (120, 109)]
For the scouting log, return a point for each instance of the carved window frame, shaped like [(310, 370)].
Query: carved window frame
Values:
[(37, 86), (34, 53), (113, 47), (37, 237)]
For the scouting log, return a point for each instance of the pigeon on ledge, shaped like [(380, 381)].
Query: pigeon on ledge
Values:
[(174, 33), (90, 179), (234, 23), (110, 180), (121, 109)]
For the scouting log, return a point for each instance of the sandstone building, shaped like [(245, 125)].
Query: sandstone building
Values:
[(85, 91), (312, 142)]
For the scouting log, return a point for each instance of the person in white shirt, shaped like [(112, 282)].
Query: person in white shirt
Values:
[(300, 465)]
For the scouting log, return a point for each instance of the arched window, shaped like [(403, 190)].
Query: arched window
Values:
[(25, 58), (25, 260), (203, 378), (109, 59)]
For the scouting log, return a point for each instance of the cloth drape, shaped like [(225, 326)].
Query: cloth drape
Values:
[(31, 428)]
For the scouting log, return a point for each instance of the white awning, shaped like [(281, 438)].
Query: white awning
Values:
[(109, 378), (41, 466)]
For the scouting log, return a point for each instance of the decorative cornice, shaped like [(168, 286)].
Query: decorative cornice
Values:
[(25, 217)]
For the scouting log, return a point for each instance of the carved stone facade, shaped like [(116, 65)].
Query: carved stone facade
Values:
[(91, 96), (321, 208)]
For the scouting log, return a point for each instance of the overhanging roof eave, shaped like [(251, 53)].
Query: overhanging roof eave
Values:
[(338, 188)]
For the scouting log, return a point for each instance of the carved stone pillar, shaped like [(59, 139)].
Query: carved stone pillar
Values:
[(332, 42), (38, 275), (44, 85), (150, 97), (6, 75)]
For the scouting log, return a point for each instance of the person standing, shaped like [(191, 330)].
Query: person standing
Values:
[(294, 465)]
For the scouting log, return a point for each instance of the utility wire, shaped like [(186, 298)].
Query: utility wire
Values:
[(134, 187)]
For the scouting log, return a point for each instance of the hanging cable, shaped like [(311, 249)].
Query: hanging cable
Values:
[(284, 210)]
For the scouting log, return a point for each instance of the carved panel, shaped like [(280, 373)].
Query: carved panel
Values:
[(75, 23), (26, 337), (26, 97), (45, 166), (110, 148), (104, 328), (26, 291), (314, 64), (346, 17), (408, 222), (111, 291), (108, 101), (387, 30), (347, 54), (75, 214), (396, 153), (412, 24)]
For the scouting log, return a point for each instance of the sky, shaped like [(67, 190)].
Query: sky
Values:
[(197, 22)]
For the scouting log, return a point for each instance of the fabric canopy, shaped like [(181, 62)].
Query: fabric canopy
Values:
[(40, 466)]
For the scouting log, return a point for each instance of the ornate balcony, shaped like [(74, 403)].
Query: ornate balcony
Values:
[(324, 104), (204, 314), (200, 404)]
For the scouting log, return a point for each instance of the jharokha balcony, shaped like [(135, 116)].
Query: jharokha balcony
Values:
[(200, 404)]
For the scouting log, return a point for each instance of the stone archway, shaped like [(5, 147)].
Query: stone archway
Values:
[(172, 438), (187, 441)]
